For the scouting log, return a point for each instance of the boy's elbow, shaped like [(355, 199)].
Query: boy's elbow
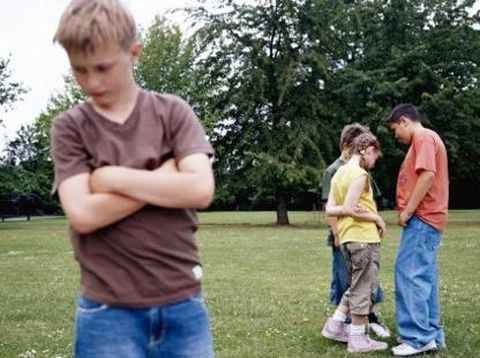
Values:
[(81, 222), (205, 196), (81, 227)]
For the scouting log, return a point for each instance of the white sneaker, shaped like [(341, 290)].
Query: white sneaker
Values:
[(380, 329), (404, 350)]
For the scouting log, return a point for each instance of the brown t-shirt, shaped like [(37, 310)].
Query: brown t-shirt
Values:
[(149, 258)]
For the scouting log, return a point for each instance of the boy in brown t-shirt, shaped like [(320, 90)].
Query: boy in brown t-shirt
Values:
[(130, 166)]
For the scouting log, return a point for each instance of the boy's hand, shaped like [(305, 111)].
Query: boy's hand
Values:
[(169, 166), (336, 241), (403, 217), (101, 179)]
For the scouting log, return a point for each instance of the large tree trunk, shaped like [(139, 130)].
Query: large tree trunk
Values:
[(282, 214)]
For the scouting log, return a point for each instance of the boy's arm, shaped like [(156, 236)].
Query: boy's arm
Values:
[(326, 182), (87, 211), (332, 220), (422, 185), (191, 186)]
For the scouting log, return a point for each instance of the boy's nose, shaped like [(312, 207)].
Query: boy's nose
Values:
[(93, 82)]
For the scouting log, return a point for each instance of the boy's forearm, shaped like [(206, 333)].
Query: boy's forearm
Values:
[(422, 185), (171, 189), (88, 211), (99, 210)]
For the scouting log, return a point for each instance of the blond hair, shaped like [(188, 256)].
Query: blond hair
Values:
[(87, 24)]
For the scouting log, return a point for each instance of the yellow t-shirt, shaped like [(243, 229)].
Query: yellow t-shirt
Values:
[(350, 229)]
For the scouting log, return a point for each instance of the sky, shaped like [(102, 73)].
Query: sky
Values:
[(26, 31)]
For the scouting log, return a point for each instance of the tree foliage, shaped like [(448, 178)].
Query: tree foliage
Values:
[(274, 82), (290, 74), (423, 52), (10, 91), (269, 95)]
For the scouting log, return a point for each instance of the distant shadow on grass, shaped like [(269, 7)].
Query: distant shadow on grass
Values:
[(302, 226)]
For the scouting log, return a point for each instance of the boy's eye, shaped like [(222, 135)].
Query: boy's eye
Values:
[(103, 68), (79, 70)]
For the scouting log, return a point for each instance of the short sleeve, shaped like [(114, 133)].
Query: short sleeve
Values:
[(69, 154), (187, 134), (425, 155)]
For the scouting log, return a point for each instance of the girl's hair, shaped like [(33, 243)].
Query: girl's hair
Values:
[(363, 141), (349, 133)]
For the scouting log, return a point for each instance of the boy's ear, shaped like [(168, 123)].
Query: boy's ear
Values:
[(404, 121), (136, 50)]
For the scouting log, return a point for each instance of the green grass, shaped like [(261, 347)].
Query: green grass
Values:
[(266, 286)]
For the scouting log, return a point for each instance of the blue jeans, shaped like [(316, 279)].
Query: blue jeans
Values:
[(177, 330), (341, 279), (416, 285)]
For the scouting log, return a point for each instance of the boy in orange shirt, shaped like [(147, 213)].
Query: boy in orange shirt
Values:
[(422, 201)]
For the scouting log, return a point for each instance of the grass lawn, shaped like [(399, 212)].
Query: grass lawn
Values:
[(266, 286)]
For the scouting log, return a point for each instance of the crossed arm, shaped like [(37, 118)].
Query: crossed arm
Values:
[(351, 207), (111, 193)]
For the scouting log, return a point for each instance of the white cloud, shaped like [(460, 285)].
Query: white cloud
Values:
[(26, 31)]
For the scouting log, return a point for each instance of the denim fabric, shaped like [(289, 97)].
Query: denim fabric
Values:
[(416, 285), (177, 330), (341, 280)]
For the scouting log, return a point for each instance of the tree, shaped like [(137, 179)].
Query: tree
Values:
[(167, 61), (268, 81), (423, 52), (169, 64), (10, 91), (26, 166)]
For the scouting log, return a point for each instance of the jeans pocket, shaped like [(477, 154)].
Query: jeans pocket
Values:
[(430, 238), (87, 305), (198, 298)]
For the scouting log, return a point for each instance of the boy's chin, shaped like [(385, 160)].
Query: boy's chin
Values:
[(100, 101)]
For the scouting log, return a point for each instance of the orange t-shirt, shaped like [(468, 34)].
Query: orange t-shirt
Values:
[(426, 152)]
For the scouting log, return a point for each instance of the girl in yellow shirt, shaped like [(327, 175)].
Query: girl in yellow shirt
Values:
[(360, 230)]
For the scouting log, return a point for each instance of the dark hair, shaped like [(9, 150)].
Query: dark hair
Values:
[(365, 140), (403, 110), (349, 133)]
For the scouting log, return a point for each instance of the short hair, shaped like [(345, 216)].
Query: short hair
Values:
[(365, 140), (349, 133), (86, 24), (403, 110)]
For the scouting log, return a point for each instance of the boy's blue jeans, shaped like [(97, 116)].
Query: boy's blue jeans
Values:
[(340, 278), (416, 285), (177, 330)]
